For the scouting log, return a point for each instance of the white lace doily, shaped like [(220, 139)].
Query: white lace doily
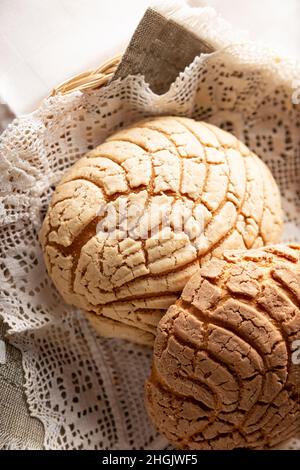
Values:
[(88, 391)]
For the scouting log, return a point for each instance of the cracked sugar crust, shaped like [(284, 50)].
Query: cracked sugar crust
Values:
[(159, 165), (223, 375)]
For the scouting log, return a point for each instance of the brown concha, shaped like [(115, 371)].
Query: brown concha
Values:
[(225, 373)]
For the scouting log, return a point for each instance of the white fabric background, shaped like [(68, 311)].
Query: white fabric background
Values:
[(44, 42)]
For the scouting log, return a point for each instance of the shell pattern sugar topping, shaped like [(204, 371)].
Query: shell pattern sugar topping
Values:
[(161, 167), (224, 370)]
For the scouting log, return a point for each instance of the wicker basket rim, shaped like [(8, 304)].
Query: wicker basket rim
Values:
[(90, 79)]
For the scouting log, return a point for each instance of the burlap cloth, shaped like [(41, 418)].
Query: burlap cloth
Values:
[(17, 427)]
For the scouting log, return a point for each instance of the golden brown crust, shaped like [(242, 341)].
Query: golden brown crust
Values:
[(158, 164), (223, 375)]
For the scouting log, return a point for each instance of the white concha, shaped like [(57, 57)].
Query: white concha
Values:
[(165, 169)]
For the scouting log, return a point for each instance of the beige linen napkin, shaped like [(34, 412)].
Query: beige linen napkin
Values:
[(17, 428)]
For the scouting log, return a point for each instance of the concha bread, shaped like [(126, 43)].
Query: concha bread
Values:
[(125, 283), (224, 375)]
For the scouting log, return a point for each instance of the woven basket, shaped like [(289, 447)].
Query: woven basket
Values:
[(91, 79)]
